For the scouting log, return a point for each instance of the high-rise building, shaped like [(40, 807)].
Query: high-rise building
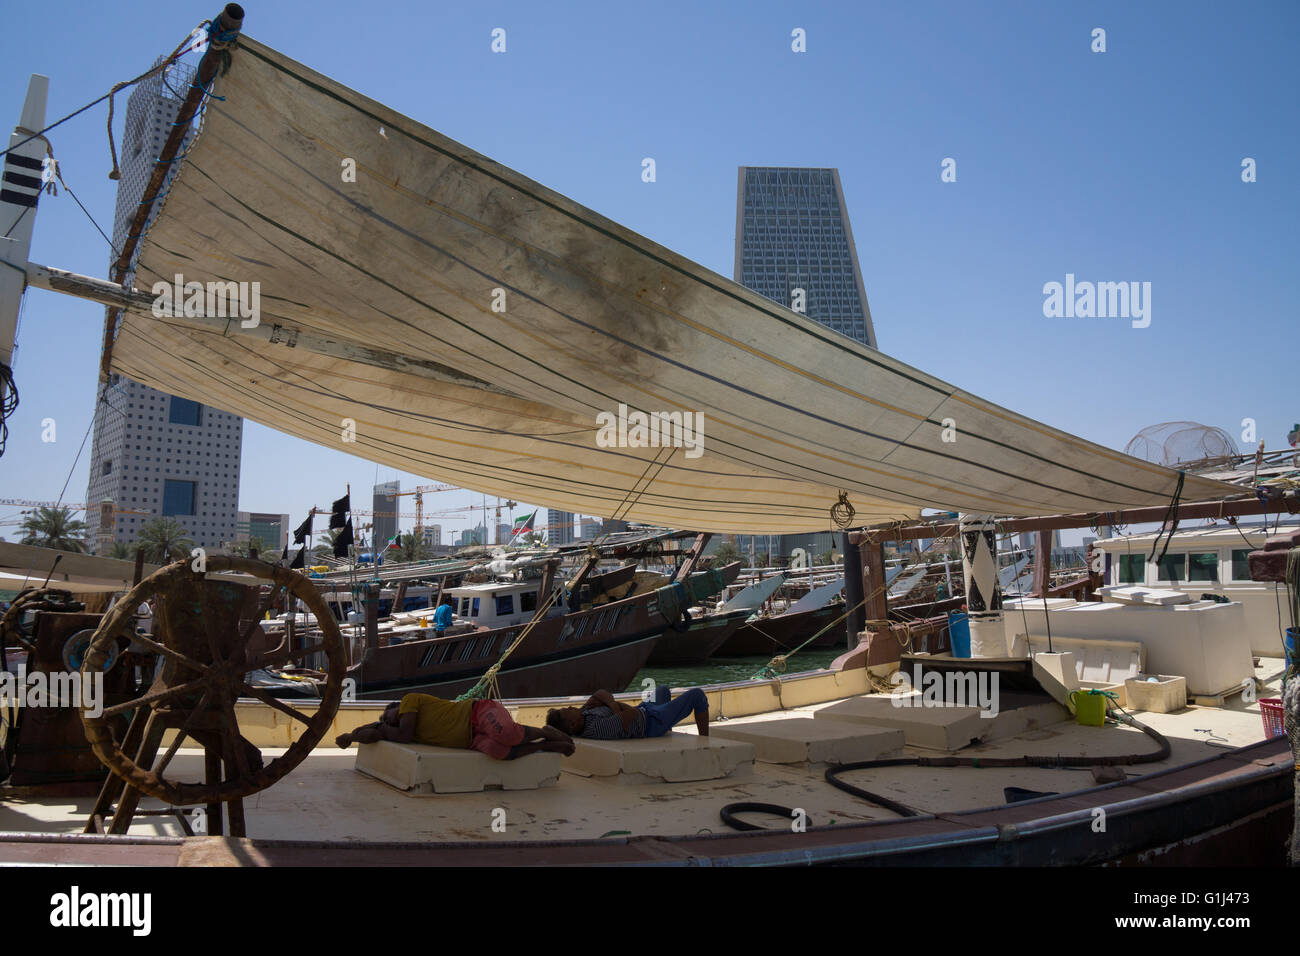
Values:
[(559, 527), (154, 454), (433, 536), (384, 505), (271, 530), (794, 246), (590, 529)]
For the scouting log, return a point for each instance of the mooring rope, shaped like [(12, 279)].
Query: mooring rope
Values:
[(777, 664)]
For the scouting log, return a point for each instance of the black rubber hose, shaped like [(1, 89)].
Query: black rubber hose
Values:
[(684, 625), (1059, 762), (728, 814)]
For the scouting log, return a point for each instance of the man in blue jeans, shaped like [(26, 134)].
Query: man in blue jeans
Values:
[(604, 718)]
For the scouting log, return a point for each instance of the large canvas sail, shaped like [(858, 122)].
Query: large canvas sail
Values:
[(480, 323)]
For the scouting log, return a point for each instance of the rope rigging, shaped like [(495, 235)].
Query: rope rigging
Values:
[(486, 687), (777, 664)]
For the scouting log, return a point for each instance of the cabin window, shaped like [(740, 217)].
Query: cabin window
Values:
[(464, 607), (1240, 564), (1203, 566), (1173, 568), (473, 608), (1132, 569), (505, 604), (528, 602)]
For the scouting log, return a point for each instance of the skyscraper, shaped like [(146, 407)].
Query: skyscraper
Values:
[(559, 527), (271, 530), (794, 246), (384, 505), (154, 454)]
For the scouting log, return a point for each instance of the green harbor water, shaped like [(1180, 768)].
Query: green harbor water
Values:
[(724, 669)]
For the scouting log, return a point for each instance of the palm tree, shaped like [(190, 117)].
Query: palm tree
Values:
[(54, 528), (534, 539), (242, 549), (324, 550), (163, 540), (726, 554), (410, 548), (121, 550)]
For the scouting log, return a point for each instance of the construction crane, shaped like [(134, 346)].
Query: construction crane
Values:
[(420, 491)]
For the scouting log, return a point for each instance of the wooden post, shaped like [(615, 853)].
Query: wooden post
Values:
[(372, 615), (873, 580), (853, 593), (548, 581), (693, 556), (1042, 563)]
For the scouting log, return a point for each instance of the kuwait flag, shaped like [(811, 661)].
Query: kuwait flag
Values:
[(393, 542), (523, 525)]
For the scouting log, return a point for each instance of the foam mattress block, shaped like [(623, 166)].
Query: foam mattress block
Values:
[(416, 768), (670, 758), (805, 740)]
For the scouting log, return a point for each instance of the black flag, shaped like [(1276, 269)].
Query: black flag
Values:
[(299, 559), (304, 529), (339, 510), (285, 556), (344, 539)]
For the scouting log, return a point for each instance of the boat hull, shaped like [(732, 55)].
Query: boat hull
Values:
[(775, 635), (699, 642), (561, 656)]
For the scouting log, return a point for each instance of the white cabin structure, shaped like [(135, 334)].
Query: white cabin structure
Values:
[(1207, 560)]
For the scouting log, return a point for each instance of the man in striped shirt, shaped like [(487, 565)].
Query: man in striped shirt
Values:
[(604, 718)]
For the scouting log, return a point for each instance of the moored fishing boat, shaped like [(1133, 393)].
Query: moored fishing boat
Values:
[(782, 632), (698, 639), (560, 654)]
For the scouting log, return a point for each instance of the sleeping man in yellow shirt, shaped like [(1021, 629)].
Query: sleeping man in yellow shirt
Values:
[(483, 725)]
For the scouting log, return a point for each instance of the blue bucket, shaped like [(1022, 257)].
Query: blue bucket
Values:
[(959, 633)]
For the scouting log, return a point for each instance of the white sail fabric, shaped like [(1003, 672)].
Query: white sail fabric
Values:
[(517, 317), (819, 597), (751, 597), (904, 586), (1007, 576)]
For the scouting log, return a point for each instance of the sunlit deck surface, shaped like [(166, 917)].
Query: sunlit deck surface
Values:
[(325, 799)]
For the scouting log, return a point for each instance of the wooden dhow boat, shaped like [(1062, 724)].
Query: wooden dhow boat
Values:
[(562, 653)]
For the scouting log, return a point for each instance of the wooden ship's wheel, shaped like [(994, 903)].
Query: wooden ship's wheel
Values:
[(207, 642), (32, 599)]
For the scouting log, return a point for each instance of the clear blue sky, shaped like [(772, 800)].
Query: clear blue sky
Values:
[(1123, 165)]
